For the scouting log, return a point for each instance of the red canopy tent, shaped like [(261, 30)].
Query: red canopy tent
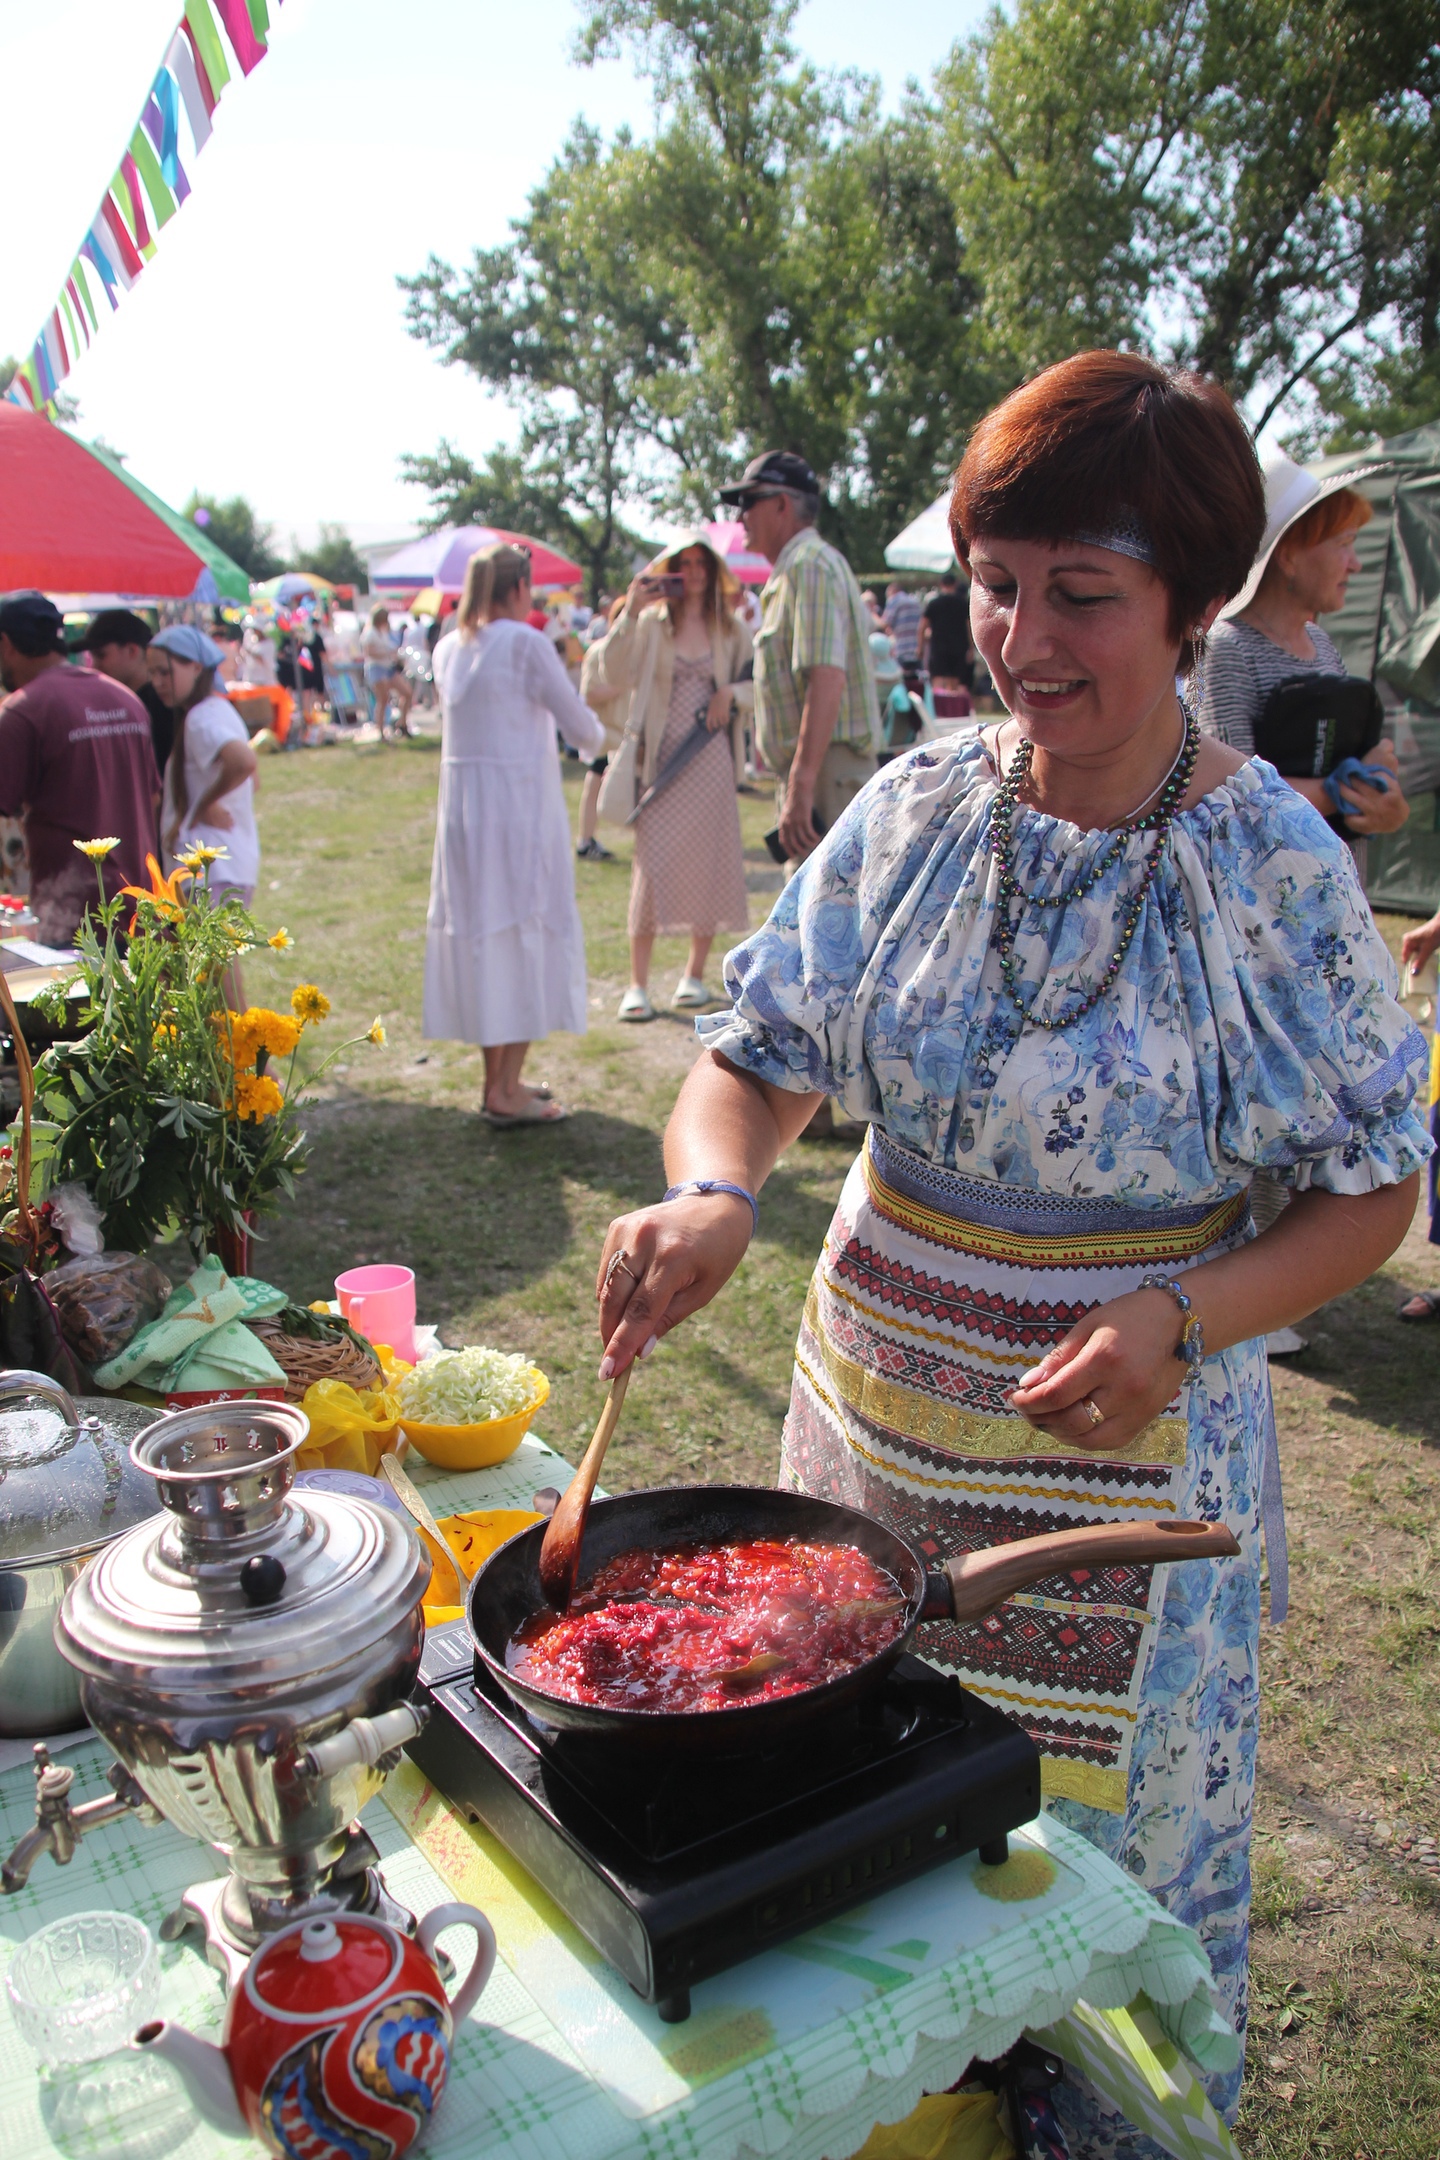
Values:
[(68, 525)]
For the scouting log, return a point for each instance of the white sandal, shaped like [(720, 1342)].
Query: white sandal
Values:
[(691, 991), (636, 1005)]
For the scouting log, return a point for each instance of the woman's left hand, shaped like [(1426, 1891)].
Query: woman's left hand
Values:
[(1120, 1358), (717, 712)]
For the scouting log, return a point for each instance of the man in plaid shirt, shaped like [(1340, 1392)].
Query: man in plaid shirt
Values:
[(817, 716)]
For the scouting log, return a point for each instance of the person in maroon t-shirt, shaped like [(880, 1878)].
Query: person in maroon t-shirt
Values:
[(77, 760)]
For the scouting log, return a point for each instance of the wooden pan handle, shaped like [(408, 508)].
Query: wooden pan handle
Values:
[(977, 1582)]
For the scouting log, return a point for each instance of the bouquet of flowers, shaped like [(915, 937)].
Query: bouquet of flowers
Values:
[(176, 1112)]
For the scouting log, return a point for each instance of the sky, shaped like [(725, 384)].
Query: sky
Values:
[(263, 350)]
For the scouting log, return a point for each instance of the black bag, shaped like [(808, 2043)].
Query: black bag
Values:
[(1309, 723)]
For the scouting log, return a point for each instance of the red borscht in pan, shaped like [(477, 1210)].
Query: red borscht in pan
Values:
[(707, 1626)]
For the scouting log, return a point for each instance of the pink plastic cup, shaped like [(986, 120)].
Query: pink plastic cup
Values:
[(380, 1303)]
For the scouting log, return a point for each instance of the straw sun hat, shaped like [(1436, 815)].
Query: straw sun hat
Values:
[(1289, 492), (695, 537)]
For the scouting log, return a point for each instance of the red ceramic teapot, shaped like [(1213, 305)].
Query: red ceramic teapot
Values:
[(336, 2043)]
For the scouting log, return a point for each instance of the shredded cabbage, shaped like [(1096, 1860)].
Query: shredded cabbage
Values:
[(468, 1387)]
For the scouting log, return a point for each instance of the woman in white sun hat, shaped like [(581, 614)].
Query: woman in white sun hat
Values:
[(1269, 639), (1266, 644)]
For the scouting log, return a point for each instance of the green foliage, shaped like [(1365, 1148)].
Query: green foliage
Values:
[(236, 529), (565, 322), (333, 556), (165, 1109), (1249, 186)]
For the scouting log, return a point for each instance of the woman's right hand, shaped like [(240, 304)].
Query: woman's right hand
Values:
[(641, 593), (663, 1263)]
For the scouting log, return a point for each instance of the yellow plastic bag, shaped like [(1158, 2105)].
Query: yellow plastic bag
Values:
[(349, 1430), (945, 2126)]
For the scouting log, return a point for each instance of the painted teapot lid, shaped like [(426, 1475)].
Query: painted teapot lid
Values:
[(323, 1968)]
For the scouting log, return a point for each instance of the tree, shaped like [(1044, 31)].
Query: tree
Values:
[(815, 259), (334, 556), (1219, 179), (234, 527), (566, 323)]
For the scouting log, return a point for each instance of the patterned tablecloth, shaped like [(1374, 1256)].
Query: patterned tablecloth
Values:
[(800, 2052)]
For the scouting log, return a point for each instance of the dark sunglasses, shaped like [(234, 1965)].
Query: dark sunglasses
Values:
[(758, 495)]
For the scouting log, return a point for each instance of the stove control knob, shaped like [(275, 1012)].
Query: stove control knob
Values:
[(262, 1579)]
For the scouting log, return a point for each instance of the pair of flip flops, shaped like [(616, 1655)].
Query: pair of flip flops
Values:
[(1427, 1300)]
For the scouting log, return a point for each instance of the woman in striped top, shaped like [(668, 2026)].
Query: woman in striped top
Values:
[(1269, 635)]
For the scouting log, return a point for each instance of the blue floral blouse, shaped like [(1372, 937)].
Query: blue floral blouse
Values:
[(1253, 1024)]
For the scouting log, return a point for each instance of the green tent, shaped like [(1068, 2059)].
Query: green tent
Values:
[(1389, 629), (231, 582)]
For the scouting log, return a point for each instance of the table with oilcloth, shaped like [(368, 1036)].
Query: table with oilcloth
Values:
[(803, 2051)]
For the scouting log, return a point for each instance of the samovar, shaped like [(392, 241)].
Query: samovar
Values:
[(248, 1653)]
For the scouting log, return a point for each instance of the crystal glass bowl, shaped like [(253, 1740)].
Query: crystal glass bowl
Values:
[(80, 1987)]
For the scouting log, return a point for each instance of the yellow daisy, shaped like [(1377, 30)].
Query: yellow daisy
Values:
[(280, 940), (377, 1033), (200, 857), (97, 850)]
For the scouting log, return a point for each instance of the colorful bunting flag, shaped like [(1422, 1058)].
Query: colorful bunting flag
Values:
[(149, 183)]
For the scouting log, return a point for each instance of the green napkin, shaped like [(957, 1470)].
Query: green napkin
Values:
[(200, 1341)]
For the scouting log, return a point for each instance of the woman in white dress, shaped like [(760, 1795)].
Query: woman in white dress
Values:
[(504, 950)]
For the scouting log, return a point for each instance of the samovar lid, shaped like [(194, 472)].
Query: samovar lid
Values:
[(241, 1586), (67, 1480)]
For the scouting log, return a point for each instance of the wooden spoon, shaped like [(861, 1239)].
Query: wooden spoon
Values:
[(560, 1547)]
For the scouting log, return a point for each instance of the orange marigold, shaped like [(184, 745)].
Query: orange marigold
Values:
[(257, 1098)]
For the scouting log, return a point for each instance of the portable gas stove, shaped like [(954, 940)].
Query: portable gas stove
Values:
[(677, 1867)]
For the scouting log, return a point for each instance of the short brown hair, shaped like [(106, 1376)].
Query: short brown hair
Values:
[(1109, 438)]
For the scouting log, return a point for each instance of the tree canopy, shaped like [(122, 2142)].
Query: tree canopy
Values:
[(1246, 186)]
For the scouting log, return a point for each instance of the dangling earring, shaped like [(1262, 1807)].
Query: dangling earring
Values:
[(1199, 653)]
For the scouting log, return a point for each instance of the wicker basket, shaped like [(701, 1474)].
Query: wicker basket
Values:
[(303, 1360)]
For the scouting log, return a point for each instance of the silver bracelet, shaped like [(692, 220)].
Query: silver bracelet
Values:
[(715, 1184)]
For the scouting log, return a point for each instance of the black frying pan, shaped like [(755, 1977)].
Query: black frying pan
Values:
[(506, 1592)]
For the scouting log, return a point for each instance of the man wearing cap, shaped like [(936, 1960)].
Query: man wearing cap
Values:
[(76, 760), (116, 641), (817, 717)]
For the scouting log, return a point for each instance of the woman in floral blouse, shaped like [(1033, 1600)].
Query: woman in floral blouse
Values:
[(1083, 975)]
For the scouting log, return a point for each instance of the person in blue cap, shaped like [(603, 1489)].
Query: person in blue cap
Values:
[(209, 798)]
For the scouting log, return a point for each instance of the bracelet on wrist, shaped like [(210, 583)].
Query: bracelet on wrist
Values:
[(1191, 1347), (715, 1184)]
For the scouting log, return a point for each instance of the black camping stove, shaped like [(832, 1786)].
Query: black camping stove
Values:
[(677, 1867)]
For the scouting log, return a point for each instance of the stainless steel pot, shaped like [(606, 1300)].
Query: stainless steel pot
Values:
[(67, 1488), (248, 1654)]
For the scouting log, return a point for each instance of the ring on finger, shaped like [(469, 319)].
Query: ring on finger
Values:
[(620, 1263), (1093, 1411)]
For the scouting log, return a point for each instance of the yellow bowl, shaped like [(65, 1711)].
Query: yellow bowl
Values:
[(471, 1539), (473, 1447)]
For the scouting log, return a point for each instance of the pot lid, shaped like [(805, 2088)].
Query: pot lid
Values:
[(66, 1487)]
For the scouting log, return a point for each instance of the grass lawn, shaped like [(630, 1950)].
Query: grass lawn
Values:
[(503, 1231)]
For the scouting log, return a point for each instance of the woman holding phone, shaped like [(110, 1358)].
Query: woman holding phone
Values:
[(681, 652)]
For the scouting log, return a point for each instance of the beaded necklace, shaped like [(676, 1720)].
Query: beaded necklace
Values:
[(1010, 890)]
